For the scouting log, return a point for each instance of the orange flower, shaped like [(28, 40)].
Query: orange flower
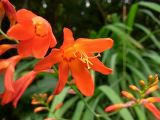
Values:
[(33, 32), (8, 8), (8, 65), (76, 57), (19, 86)]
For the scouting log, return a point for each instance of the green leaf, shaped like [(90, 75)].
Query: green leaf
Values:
[(149, 13), (78, 111), (151, 5), (149, 33), (140, 113), (131, 15), (68, 104), (57, 100)]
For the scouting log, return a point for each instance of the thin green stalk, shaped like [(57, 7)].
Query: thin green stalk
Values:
[(87, 105), (4, 34)]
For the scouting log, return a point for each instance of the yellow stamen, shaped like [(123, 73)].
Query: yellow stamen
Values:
[(84, 58)]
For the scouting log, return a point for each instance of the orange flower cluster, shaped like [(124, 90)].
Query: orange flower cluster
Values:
[(33, 37), (145, 90)]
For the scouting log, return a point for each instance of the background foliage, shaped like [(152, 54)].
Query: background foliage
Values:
[(135, 28)]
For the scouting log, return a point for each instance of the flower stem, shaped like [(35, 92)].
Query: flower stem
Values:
[(6, 36), (84, 101)]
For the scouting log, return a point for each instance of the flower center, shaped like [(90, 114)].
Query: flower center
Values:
[(82, 56), (40, 26), (72, 53)]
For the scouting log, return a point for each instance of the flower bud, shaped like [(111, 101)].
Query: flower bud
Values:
[(38, 109), (142, 83), (50, 98), (150, 78), (58, 106), (35, 102), (128, 95), (113, 108), (133, 87), (151, 89)]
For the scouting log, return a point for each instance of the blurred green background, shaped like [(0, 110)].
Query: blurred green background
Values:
[(134, 25)]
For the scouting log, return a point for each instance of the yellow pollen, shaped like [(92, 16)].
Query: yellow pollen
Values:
[(40, 27), (85, 59)]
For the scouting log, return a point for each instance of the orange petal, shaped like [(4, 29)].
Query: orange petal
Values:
[(40, 46), (25, 16), (82, 78), (152, 108), (153, 99), (63, 72), (21, 85), (2, 13), (20, 32), (46, 63), (94, 45), (10, 11), (9, 78), (52, 38), (25, 48), (3, 64), (6, 97), (5, 47), (68, 37), (99, 66)]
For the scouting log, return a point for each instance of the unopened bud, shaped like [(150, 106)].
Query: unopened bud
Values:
[(133, 87), (35, 102), (58, 106), (142, 83), (113, 108), (152, 89), (150, 78), (128, 95), (71, 91), (38, 109), (49, 119), (43, 96), (50, 98)]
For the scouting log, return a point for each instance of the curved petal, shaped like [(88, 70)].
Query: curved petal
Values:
[(20, 32), (3, 64), (68, 37), (25, 16), (21, 84), (5, 47), (99, 66), (25, 48), (94, 45), (82, 78), (6, 97), (53, 40), (46, 63), (40, 46), (152, 108), (63, 72), (9, 78), (10, 11)]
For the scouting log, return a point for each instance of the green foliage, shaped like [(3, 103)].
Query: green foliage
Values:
[(135, 55)]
